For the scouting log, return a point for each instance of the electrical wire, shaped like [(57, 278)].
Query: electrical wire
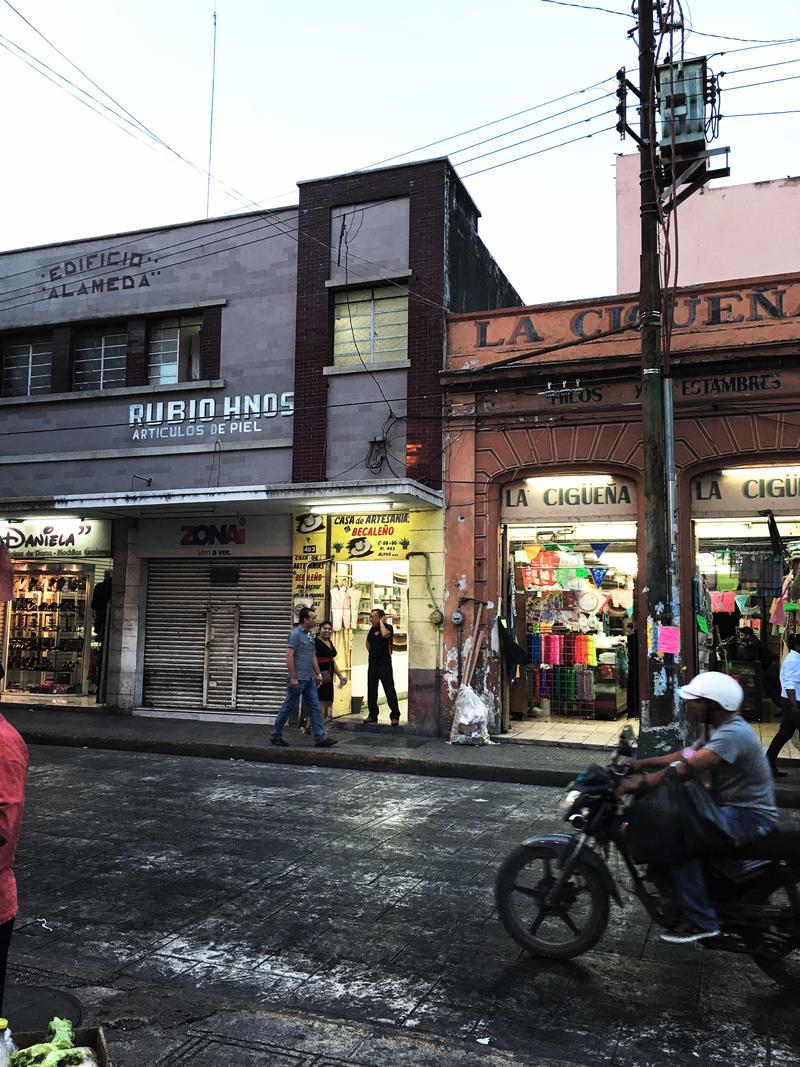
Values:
[(588, 7), (486, 125), (541, 151), (536, 137), (758, 85)]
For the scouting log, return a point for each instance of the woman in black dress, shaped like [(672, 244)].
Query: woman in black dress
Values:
[(326, 657)]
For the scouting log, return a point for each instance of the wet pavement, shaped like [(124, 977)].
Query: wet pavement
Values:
[(208, 912)]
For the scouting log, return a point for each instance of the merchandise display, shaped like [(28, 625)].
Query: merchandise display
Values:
[(576, 614), (48, 641)]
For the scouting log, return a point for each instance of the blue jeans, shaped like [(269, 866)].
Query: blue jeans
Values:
[(743, 825), (307, 689)]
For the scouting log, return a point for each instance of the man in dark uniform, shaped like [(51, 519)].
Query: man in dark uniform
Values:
[(379, 668)]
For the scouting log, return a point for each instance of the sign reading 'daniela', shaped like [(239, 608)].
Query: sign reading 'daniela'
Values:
[(576, 497), (70, 538)]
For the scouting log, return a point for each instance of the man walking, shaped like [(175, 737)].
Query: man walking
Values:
[(379, 667), (304, 677)]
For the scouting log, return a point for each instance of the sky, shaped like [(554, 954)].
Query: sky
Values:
[(305, 90)]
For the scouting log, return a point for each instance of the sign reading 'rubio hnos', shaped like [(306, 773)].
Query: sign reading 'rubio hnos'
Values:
[(580, 498), (207, 416)]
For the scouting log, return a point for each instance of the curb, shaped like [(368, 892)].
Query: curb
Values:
[(304, 757), (788, 796)]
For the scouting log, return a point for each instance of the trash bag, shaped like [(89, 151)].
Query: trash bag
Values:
[(675, 822), (470, 719)]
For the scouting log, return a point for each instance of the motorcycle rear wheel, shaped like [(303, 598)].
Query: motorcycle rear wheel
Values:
[(775, 948), (561, 931)]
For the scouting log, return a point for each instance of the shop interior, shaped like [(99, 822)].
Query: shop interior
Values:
[(744, 605), (53, 631), (570, 603), (356, 588)]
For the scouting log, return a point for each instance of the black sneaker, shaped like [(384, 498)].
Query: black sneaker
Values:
[(370, 719), (395, 720), (276, 739), (326, 742), (778, 774), (687, 935)]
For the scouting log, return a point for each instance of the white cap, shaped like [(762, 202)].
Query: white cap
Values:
[(712, 685)]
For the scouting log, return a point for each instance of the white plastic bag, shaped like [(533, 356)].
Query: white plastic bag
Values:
[(470, 721)]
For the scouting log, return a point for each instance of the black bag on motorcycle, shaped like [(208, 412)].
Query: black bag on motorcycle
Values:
[(675, 822)]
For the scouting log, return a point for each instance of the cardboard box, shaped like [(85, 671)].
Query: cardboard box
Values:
[(91, 1036)]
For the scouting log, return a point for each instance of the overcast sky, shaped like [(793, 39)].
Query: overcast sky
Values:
[(314, 88)]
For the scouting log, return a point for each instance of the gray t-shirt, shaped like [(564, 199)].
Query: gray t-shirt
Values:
[(743, 778), (303, 644)]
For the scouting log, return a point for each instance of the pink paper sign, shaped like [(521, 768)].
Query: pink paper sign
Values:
[(669, 639)]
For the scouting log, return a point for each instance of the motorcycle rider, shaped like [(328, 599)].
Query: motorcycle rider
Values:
[(741, 783)]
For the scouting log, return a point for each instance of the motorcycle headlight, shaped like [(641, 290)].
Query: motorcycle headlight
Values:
[(569, 801)]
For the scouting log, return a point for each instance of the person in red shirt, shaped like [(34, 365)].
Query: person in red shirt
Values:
[(13, 777)]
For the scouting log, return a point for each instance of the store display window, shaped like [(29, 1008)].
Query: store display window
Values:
[(48, 629), (571, 604)]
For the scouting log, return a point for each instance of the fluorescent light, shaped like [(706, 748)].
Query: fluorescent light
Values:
[(762, 472), (571, 480), (359, 506)]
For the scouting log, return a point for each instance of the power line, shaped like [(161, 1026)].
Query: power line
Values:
[(486, 125), (537, 137), (747, 40), (756, 85), (529, 125), (588, 7), (541, 151), (756, 114), (761, 66)]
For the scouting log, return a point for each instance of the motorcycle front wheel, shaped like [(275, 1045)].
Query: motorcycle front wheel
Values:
[(568, 926), (775, 946)]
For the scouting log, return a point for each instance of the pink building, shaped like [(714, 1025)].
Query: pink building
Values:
[(731, 231)]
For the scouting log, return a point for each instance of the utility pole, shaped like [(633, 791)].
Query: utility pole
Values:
[(657, 716)]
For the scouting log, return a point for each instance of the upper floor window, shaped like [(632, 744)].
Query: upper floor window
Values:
[(174, 350), (27, 368), (370, 325), (99, 360)]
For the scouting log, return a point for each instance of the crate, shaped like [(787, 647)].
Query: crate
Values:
[(91, 1036)]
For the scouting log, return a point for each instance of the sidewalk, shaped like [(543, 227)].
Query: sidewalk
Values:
[(370, 748)]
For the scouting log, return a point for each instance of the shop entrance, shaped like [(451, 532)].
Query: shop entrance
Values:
[(570, 564), (357, 587), (742, 597), (215, 635), (570, 604), (54, 630)]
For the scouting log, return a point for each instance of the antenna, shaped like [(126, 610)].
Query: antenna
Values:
[(211, 120)]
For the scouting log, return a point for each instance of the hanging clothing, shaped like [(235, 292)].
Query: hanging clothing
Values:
[(337, 606), (346, 609)]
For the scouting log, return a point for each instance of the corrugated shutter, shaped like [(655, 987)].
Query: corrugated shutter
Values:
[(185, 610), (175, 633), (265, 619)]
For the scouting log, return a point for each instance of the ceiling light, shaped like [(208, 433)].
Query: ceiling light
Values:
[(762, 472)]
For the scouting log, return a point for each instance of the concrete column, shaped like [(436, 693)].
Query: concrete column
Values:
[(123, 639)]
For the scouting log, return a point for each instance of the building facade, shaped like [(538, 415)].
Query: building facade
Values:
[(207, 423), (543, 451)]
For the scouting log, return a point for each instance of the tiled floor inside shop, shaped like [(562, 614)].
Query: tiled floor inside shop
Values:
[(604, 732)]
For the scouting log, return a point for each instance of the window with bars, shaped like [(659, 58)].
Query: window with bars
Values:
[(27, 368), (99, 360), (174, 350), (370, 325)]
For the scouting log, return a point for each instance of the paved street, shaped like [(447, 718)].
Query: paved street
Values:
[(321, 916)]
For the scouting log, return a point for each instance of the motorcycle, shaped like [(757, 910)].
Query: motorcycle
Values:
[(553, 892)]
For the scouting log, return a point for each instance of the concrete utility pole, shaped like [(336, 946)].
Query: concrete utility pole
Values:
[(658, 725)]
